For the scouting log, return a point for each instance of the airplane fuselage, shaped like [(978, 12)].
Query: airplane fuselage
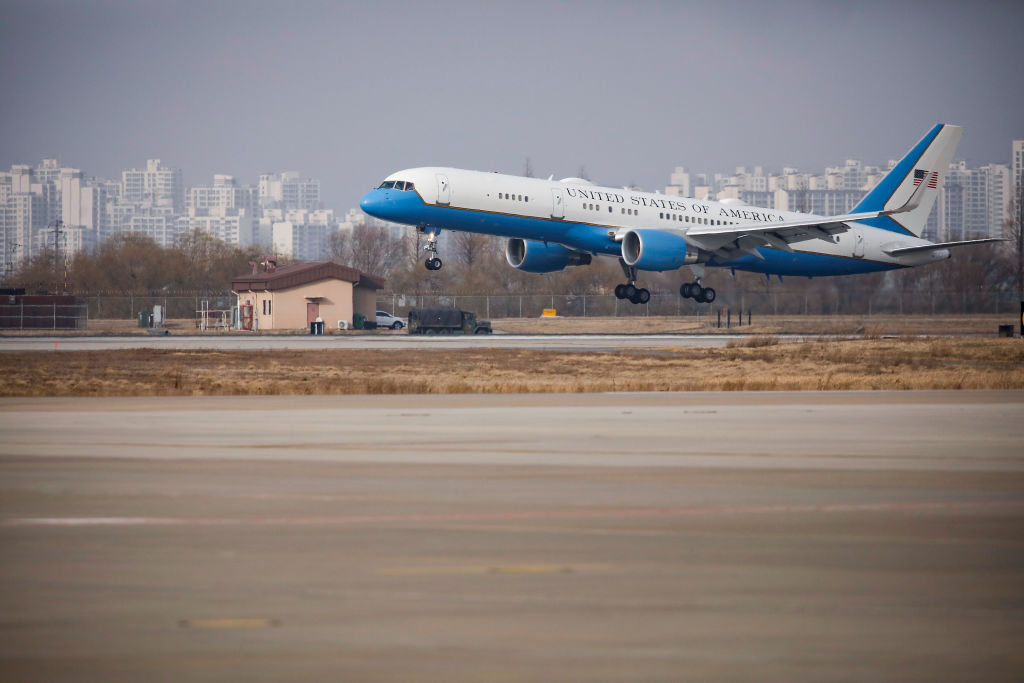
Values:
[(588, 218)]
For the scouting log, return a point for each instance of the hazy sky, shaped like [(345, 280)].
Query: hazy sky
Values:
[(349, 92)]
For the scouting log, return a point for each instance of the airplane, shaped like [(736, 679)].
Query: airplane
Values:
[(552, 225)]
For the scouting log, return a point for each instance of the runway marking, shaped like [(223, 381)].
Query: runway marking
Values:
[(492, 569), (341, 520)]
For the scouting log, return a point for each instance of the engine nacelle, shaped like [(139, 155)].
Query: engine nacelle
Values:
[(539, 257), (658, 250)]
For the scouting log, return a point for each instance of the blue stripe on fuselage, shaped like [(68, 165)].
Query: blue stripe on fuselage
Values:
[(409, 208)]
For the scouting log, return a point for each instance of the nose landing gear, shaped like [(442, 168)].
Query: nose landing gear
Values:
[(432, 262)]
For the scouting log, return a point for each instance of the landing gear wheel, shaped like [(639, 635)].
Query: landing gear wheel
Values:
[(629, 291), (642, 296), (709, 295), (433, 263), (686, 290), (620, 291)]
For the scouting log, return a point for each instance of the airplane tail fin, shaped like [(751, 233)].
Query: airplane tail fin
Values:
[(912, 186)]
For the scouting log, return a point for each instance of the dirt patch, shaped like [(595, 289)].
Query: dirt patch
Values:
[(760, 364)]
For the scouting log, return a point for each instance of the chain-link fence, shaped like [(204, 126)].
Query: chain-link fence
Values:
[(823, 299), (806, 301), (24, 315), (102, 307)]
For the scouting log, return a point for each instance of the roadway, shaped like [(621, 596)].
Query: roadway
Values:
[(553, 342), (730, 536)]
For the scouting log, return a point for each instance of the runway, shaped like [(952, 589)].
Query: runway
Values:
[(551, 342), (726, 536)]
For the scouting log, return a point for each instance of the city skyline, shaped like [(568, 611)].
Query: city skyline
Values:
[(351, 92), (284, 211)]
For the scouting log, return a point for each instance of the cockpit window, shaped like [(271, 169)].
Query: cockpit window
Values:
[(402, 185)]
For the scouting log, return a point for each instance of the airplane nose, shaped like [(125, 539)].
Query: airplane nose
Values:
[(372, 202)]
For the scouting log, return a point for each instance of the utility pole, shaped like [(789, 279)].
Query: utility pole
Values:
[(1020, 240), (56, 251), (1020, 248), (12, 260)]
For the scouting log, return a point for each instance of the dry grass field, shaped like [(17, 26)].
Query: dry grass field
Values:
[(755, 363)]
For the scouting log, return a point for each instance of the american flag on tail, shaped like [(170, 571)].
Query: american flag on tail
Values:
[(920, 174)]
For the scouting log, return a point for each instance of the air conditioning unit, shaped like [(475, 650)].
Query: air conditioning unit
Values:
[(342, 324)]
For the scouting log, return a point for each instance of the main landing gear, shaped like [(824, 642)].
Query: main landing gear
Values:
[(693, 290), (432, 262), (629, 290)]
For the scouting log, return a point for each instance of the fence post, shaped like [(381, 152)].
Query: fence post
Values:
[(54, 315), (21, 321)]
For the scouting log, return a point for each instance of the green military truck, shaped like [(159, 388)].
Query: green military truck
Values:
[(446, 321)]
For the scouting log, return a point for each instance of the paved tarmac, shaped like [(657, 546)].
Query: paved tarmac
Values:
[(615, 537)]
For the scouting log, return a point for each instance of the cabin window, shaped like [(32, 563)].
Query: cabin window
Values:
[(520, 197), (526, 198)]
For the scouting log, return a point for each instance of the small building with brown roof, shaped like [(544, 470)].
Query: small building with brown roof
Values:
[(292, 296)]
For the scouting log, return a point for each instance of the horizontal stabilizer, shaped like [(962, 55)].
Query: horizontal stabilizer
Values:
[(903, 251)]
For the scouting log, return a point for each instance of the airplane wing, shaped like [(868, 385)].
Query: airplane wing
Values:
[(731, 241)]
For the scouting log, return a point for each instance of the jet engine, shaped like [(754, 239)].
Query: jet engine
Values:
[(541, 257), (658, 250)]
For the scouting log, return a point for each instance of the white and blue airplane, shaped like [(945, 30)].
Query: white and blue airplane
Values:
[(555, 224)]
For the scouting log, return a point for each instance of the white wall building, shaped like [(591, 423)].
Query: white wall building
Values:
[(225, 193), (288, 191), (158, 184), (300, 242)]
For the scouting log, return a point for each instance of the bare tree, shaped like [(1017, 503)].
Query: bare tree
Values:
[(1013, 231), (371, 248), (469, 247)]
